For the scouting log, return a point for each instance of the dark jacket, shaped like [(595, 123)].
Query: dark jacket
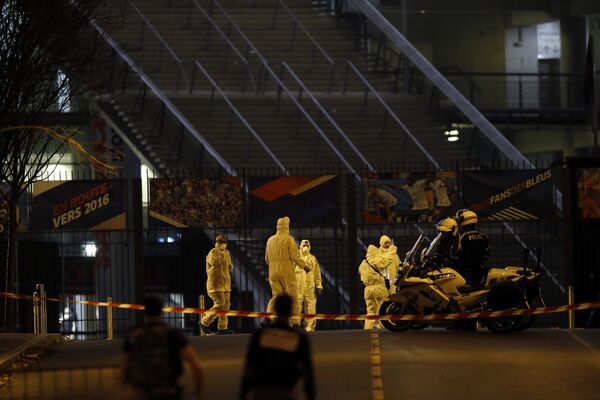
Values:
[(278, 356)]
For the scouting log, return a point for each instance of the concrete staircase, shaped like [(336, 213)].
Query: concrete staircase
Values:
[(185, 30)]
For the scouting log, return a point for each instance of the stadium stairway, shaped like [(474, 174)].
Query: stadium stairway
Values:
[(370, 128), (165, 38)]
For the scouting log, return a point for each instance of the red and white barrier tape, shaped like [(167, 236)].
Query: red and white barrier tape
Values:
[(335, 317)]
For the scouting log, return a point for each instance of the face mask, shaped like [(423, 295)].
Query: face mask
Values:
[(222, 246)]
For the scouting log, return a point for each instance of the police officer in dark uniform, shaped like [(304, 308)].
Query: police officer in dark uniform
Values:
[(278, 356), (472, 251)]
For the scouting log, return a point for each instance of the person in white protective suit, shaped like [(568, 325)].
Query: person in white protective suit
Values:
[(282, 255), (391, 252), (218, 284), (309, 284), (372, 274)]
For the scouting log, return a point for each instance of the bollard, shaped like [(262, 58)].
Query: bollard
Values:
[(571, 301), (36, 313), (201, 305), (42, 313), (109, 320)]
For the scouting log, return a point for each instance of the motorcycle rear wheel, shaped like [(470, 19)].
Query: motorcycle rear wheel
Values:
[(504, 295), (526, 321), (395, 308)]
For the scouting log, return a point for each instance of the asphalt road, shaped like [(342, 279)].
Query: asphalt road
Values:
[(536, 364)]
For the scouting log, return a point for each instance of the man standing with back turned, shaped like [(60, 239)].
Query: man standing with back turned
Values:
[(282, 255), (153, 358)]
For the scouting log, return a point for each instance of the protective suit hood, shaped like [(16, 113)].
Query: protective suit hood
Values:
[(303, 243), (376, 258), (283, 225), (383, 239)]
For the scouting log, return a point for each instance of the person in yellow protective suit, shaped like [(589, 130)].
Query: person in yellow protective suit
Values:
[(391, 252), (282, 255), (218, 284), (372, 272), (309, 284)]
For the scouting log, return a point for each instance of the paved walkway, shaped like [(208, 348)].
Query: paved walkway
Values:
[(538, 364), (10, 341)]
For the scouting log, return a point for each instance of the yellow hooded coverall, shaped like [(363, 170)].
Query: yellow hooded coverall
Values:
[(392, 254), (375, 290), (282, 255), (308, 282), (218, 284)]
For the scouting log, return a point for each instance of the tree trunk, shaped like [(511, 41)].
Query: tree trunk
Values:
[(10, 309)]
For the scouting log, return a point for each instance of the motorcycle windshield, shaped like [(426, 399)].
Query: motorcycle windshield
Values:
[(432, 249)]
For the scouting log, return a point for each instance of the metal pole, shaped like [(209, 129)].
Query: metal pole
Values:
[(201, 305), (571, 301), (43, 324), (405, 67), (109, 319), (36, 313)]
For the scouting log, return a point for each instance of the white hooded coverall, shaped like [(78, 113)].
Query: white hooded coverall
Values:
[(218, 285), (308, 282), (282, 255), (375, 290)]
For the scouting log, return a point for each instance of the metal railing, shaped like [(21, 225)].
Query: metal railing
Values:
[(162, 45), (234, 112), (424, 77), (267, 73), (388, 111), (315, 46), (126, 75), (519, 91), (230, 47), (304, 89)]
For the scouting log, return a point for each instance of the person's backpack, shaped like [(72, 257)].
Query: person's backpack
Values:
[(151, 367)]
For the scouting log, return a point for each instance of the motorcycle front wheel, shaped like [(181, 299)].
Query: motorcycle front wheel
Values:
[(394, 308)]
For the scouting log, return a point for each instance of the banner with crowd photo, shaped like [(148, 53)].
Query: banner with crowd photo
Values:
[(307, 200), (524, 195), (588, 192), (86, 205), (407, 197), (195, 202)]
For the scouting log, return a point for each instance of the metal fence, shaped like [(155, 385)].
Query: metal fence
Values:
[(94, 265)]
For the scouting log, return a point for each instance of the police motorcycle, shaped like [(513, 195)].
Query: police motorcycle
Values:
[(425, 286)]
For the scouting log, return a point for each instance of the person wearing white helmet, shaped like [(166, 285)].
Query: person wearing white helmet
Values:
[(218, 284), (372, 272), (310, 284), (391, 252), (446, 241), (282, 255)]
